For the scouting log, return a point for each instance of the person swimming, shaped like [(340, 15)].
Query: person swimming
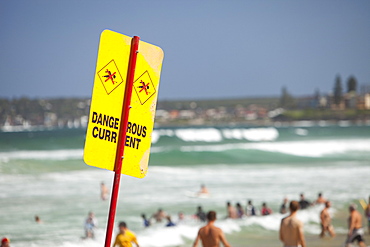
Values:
[(265, 210), (169, 222), (103, 191), (239, 210), (320, 199), (37, 219), (200, 214), (159, 215), (5, 242), (146, 221), (283, 207), (231, 211), (250, 209), (303, 203), (90, 224)]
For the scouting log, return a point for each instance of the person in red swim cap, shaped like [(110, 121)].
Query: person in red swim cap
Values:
[(5, 242)]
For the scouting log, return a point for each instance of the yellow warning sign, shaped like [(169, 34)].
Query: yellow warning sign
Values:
[(110, 76), (107, 102), (143, 102)]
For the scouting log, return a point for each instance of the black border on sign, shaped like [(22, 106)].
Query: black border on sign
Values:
[(155, 91), (118, 73)]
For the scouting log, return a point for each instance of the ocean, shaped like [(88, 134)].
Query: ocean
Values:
[(42, 173)]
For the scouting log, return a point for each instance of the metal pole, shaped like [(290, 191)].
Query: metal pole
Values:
[(121, 138)]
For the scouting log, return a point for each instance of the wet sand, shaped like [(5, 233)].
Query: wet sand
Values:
[(271, 239), (268, 241)]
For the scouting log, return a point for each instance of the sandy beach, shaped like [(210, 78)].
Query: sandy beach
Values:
[(311, 241)]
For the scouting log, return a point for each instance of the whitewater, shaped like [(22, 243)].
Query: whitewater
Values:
[(42, 173)]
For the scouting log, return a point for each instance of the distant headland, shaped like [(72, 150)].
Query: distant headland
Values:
[(351, 106)]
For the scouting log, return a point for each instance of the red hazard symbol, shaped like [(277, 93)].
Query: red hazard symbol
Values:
[(144, 87), (110, 76)]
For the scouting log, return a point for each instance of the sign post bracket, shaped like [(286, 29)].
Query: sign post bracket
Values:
[(121, 137)]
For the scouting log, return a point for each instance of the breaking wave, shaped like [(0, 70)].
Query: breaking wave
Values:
[(217, 135)]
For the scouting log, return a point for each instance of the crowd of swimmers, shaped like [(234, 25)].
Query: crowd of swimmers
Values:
[(290, 232), (291, 228), (233, 212)]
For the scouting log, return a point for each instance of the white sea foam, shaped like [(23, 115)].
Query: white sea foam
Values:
[(204, 135), (170, 236), (297, 148), (316, 148), (156, 134), (216, 135), (62, 154), (301, 132), (252, 134)]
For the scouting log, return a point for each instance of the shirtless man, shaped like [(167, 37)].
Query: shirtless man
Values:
[(320, 199), (159, 215), (231, 211), (326, 225), (291, 229), (355, 230), (203, 190), (210, 235), (103, 191)]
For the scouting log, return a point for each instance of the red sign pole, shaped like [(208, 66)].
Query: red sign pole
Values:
[(121, 138)]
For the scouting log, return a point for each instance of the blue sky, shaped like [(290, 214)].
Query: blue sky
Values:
[(213, 49)]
